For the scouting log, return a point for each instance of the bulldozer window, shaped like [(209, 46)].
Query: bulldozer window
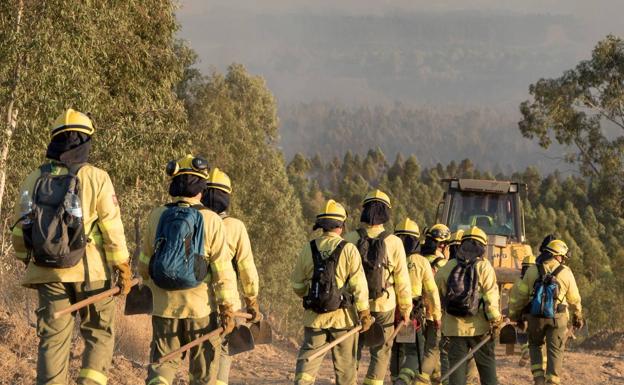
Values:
[(493, 213)]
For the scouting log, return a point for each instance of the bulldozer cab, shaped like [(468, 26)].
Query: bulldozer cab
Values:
[(496, 208)]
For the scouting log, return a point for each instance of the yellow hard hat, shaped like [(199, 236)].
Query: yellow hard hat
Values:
[(440, 232), (333, 210), (219, 180), (191, 165), (456, 237), (407, 227), (529, 260), (557, 247), (71, 120), (477, 234), (379, 196)]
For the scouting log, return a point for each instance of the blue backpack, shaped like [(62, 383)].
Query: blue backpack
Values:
[(545, 293), (179, 261)]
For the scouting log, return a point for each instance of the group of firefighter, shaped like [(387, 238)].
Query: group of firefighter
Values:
[(69, 234)]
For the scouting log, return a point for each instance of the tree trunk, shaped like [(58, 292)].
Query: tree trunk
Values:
[(11, 111)]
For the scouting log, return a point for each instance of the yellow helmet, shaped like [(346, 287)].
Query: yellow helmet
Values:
[(529, 260), (557, 247), (191, 165), (71, 120), (477, 234), (379, 196), (333, 210), (439, 232), (456, 237), (219, 180), (407, 227)]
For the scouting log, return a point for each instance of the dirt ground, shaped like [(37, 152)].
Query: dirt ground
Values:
[(267, 364)]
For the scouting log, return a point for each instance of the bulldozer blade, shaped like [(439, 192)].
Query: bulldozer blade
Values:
[(261, 332), (240, 340), (139, 301), (508, 335), (374, 336)]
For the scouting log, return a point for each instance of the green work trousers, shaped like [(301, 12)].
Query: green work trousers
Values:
[(170, 334), (554, 333), (343, 356), (55, 335), (379, 355), (225, 362), (404, 363), (485, 359), (441, 368)]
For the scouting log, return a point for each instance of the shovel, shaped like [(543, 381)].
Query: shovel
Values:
[(240, 340), (374, 336), (466, 357), (139, 301), (261, 331), (329, 346), (508, 335)]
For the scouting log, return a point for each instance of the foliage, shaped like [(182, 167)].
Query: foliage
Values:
[(585, 108), (554, 204)]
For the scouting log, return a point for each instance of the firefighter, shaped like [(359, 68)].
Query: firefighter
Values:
[(98, 250), (391, 288), (326, 319), (551, 329), (426, 308), (216, 197), (181, 312), (464, 332), (436, 240)]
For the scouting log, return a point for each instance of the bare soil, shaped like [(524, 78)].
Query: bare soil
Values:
[(274, 364)]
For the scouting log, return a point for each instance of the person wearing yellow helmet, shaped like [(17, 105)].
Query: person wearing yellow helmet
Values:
[(470, 298), (96, 243), (329, 277), (454, 243), (216, 197), (436, 240), (385, 267), (426, 311), (549, 315), (182, 303)]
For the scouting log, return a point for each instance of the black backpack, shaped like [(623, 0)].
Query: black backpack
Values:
[(462, 296), (374, 261), (55, 236), (324, 296)]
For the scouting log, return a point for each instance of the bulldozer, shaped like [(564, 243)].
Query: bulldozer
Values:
[(495, 207)]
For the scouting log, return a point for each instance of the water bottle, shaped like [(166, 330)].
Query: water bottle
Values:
[(74, 207), (26, 206)]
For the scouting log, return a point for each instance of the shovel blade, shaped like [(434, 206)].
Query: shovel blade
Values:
[(139, 301), (508, 335), (374, 336), (240, 340), (261, 332)]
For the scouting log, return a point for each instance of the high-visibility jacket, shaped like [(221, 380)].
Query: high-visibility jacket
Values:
[(522, 291), (193, 302), (489, 310), (239, 252), (102, 223), (436, 261), (349, 272), (397, 279), (423, 285)]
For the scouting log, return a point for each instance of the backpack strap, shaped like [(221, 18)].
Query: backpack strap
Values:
[(362, 233), (384, 234), (316, 254), (338, 250), (434, 263), (74, 168), (540, 270), (558, 270)]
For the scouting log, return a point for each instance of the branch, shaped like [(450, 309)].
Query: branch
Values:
[(602, 112), (586, 156)]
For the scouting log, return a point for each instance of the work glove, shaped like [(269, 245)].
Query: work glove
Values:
[(578, 322), (366, 320), (124, 277), (226, 318), (496, 324), (254, 309)]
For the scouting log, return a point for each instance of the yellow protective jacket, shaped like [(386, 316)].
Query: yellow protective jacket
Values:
[(239, 252), (478, 324), (193, 302), (522, 291), (435, 266), (423, 285), (349, 268), (102, 223), (397, 277)]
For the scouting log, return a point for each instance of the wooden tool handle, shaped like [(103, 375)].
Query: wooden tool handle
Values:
[(334, 343), (92, 299), (395, 333), (190, 345), (240, 314)]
